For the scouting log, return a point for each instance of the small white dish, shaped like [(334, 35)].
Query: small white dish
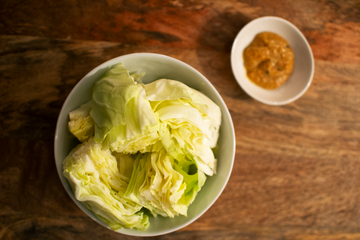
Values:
[(302, 74), (155, 66)]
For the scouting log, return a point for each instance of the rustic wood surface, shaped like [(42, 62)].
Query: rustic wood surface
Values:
[(297, 168)]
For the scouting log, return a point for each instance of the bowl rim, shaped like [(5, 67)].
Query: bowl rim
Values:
[(226, 112), (304, 40)]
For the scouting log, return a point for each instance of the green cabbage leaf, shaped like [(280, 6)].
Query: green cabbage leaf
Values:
[(97, 181), (189, 122), (123, 117), (163, 186), (81, 125)]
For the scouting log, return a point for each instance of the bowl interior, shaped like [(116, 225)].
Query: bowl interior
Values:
[(155, 66), (301, 77)]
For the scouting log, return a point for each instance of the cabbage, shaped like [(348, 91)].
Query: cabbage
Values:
[(161, 185), (162, 91), (145, 147), (123, 116), (81, 125), (97, 182), (189, 122)]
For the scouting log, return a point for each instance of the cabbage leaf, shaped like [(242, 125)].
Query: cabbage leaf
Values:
[(162, 186), (81, 125), (123, 117), (189, 122), (97, 182)]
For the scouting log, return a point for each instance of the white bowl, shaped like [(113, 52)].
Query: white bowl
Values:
[(155, 66), (302, 74)]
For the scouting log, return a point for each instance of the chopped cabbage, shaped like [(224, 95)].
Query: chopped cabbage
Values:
[(96, 181), (122, 114), (189, 121), (81, 125), (161, 185), (145, 146)]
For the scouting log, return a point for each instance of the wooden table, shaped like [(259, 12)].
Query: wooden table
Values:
[(297, 168)]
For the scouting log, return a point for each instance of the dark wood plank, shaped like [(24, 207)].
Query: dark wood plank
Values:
[(189, 24), (296, 172), (298, 169)]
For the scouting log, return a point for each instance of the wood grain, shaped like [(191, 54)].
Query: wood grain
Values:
[(296, 172)]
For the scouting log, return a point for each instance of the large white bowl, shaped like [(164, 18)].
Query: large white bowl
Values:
[(155, 66), (302, 74)]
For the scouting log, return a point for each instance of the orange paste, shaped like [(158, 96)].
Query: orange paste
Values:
[(268, 60)]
